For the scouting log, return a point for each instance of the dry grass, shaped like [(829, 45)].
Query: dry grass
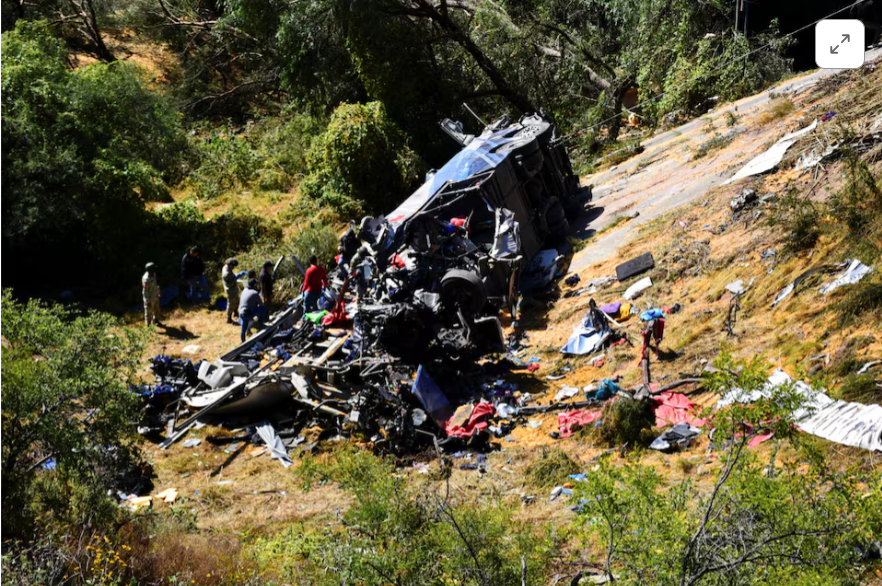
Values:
[(776, 110)]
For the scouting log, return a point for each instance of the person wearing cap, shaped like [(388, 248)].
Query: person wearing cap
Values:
[(249, 306), (313, 281), (231, 286), (193, 274), (150, 293), (267, 280)]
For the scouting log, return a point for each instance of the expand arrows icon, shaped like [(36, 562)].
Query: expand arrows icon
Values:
[(833, 50)]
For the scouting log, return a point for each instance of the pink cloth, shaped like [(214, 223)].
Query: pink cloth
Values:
[(570, 421), (477, 421), (673, 408)]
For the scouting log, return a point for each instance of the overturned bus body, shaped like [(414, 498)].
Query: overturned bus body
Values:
[(422, 294)]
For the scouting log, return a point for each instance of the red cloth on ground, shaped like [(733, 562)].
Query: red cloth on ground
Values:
[(673, 408), (336, 315), (533, 368), (758, 439), (570, 421), (476, 422), (315, 279)]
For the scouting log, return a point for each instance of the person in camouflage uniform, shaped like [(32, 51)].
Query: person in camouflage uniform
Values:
[(150, 292), (231, 287)]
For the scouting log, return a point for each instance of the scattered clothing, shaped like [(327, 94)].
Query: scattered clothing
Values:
[(477, 421), (571, 421), (589, 336), (679, 435), (673, 408), (651, 314)]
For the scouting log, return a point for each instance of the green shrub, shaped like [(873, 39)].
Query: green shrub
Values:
[(625, 421), (83, 151), (226, 161), (394, 532), (799, 222), (860, 388), (552, 469), (361, 161), (65, 398)]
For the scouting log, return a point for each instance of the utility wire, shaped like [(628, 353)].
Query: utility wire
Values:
[(718, 68)]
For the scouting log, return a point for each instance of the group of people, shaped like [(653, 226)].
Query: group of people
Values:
[(251, 306)]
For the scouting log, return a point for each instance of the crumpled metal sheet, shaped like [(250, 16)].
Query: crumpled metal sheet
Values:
[(274, 444)]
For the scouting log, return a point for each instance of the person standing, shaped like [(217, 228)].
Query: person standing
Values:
[(231, 287), (267, 280), (150, 293), (193, 274), (249, 306), (313, 281)]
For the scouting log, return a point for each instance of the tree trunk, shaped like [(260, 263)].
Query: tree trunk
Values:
[(462, 38), (617, 96), (86, 11)]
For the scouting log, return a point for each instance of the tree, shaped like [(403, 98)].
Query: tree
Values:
[(361, 161), (67, 412), (83, 151), (76, 20)]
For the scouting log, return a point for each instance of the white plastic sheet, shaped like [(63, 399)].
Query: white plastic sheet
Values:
[(855, 271), (770, 158)]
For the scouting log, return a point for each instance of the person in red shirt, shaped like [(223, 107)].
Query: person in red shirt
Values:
[(313, 281)]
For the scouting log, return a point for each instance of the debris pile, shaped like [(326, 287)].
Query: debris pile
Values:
[(416, 293)]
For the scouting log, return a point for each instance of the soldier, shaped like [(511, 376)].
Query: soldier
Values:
[(231, 287), (150, 293)]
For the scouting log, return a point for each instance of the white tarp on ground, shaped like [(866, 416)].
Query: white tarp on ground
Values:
[(850, 424), (855, 272), (770, 158)]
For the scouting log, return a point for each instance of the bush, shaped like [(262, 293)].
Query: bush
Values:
[(65, 399), (361, 161), (397, 533), (226, 161), (798, 221), (625, 421), (552, 469)]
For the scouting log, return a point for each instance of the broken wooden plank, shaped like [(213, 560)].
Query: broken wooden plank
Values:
[(332, 349)]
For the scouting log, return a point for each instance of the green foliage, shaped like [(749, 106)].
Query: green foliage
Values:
[(625, 421), (860, 388), (65, 397), (394, 532), (552, 469), (361, 161), (226, 162), (178, 226), (83, 151), (714, 144), (758, 524)]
